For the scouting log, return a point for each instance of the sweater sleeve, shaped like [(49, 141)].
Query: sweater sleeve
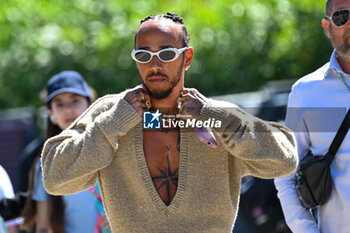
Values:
[(266, 149), (71, 160)]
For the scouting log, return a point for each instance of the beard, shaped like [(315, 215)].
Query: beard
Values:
[(162, 94), (340, 44)]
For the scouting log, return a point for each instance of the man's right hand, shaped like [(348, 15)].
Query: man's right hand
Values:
[(138, 98)]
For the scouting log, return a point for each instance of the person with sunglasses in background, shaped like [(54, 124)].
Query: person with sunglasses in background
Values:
[(165, 179), (316, 108)]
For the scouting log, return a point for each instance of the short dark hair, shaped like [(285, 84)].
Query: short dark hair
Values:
[(328, 7), (176, 19)]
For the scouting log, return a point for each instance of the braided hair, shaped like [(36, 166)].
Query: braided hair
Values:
[(328, 7), (173, 17)]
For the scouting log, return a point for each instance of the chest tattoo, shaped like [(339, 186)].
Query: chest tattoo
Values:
[(168, 178)]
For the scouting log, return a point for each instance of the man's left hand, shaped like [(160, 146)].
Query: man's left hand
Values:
[(192, 102)]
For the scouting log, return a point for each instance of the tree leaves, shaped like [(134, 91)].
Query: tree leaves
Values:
[(239, 45)]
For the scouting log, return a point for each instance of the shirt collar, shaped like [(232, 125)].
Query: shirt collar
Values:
[(334, 64)]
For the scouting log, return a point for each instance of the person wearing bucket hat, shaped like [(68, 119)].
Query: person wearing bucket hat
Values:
[(67, 87), (67, 81), (67, 96)]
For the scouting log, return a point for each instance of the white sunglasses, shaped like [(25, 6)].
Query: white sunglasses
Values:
[(165, 55)]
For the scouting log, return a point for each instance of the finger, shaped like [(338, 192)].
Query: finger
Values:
[(188, 97), (138, 105), (200, 95), (142, 95), (195, 94), (137, 89), (134, 98), (132, 93), (146, 99), (192, 104), (185, 90)]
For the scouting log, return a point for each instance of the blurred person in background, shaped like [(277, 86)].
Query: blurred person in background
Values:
[(328, 88), (67, 96)]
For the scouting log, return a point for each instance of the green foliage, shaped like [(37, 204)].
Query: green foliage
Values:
[(239, 45)]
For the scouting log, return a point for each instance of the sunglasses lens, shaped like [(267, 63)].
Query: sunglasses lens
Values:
[(143, 56), (167, 55), (340, 17)]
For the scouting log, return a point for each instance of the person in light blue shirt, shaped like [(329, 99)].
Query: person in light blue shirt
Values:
[(317, 106), (80, 212), (67, 97)]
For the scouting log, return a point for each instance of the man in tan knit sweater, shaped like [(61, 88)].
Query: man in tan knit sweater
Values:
[(165, 180)]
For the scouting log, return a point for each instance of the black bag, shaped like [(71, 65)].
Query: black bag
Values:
[(313, 177), (314, 181)]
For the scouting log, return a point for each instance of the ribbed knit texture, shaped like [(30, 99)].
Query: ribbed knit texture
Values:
[(106, 143)]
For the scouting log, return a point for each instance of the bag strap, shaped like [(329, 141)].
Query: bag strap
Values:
[(339, 137)]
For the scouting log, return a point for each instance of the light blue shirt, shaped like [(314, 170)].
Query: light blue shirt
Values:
[(80, 209), (317, 105)]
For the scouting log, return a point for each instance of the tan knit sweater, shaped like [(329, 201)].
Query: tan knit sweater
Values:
[(106, 143)]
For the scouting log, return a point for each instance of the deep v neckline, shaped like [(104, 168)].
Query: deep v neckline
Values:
[(146, 176)]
